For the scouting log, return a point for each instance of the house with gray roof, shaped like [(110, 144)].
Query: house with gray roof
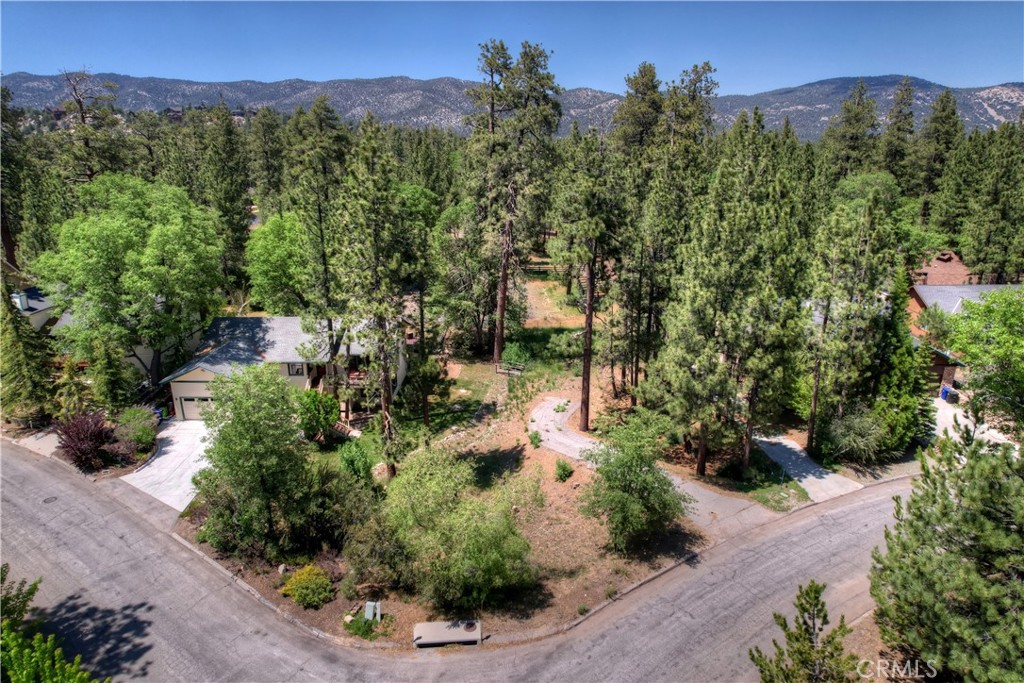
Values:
[(35, 305), (949, 299), (232, 343)]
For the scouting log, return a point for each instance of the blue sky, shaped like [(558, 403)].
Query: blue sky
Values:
[(755, 46)]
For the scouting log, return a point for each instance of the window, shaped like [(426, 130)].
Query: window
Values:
[(296, 370)]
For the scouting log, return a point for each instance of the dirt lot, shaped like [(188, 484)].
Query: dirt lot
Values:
[(545, 307)]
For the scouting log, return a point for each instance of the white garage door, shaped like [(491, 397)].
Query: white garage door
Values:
[(190, 408)]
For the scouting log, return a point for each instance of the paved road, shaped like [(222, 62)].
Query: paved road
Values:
[(820, 484), (135, 603)]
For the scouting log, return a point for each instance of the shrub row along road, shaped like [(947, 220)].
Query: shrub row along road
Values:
[(135, 603)]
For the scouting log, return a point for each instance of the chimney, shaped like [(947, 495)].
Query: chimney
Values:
[(20, 300)]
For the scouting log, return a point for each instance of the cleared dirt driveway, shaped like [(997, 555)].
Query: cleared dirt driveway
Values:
[(168, 475)]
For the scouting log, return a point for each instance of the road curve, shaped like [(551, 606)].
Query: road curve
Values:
[(136, 604)]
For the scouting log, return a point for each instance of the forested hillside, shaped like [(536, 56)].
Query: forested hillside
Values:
[(442, 102)]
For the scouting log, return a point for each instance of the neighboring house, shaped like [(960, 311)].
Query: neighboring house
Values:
[(234, 342), (949, 299), (946, 268), (34, 305)]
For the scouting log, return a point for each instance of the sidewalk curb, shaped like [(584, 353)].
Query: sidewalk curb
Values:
[(693, 555), (315, 632), (50, 456)]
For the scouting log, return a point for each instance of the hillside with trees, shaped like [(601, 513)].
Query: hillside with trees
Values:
[(724, 282)]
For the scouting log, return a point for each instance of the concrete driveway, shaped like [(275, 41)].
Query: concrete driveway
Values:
[(168, 474), (718, 514), (946, 412), (819, 483)]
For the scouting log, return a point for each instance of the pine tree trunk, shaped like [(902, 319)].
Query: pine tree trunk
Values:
[(812, 419), (506, 256), (748, 437), (423, 358), (588, 332), (702, 451)]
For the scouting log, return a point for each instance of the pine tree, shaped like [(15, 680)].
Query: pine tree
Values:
[(26, 380), (110, 378), (895, 145), (734, 329), (636, 119), (853, 263), (810, 655), (588, 210), (72, 396), (95, 141), (371, 267), (225, 179), (950, 584), (12, 169), (941, 133), (992, 231), (266, 149), (848, 145), (318, 146), (665, 182), (513, 142)]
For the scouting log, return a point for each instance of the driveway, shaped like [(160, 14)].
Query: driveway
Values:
[(718, 514), (819, 483), (944, 414), (168, 474)]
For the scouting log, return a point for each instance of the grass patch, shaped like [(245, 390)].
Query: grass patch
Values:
[(369, 629), (765, 482)]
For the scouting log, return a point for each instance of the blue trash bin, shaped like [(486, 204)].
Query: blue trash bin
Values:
[(944, 392)]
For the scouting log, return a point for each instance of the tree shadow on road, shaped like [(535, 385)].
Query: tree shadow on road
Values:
[(112, 642)]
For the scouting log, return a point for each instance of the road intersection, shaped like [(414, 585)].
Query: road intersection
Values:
[(136, 603)]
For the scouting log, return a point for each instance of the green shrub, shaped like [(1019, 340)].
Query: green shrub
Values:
[(515, 353), (25, 659), (309, 587), (37, 659), (859, 436), (317, 414), (562, 407), (347, 587), (361, 627), (582, 609), (137, 425), (535, 439), (563, 470), (632, 496), (461, 550), (358, 457)]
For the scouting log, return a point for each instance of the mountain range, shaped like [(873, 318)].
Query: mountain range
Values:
[(442, 102)]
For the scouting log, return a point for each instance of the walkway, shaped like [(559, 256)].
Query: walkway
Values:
[(718, 514), (819, 483)]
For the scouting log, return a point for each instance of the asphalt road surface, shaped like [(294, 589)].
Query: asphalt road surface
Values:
[(137, 604)]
